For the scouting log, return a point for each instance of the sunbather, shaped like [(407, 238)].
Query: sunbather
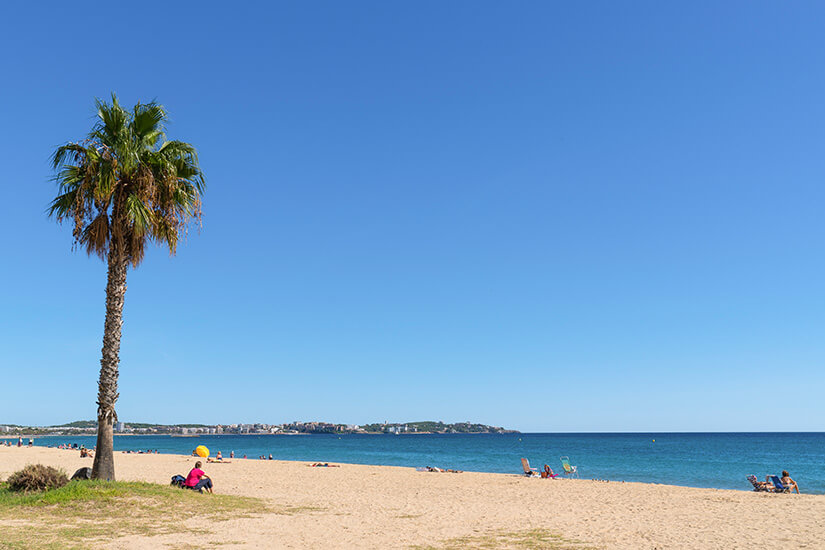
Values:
[(766, 486), (788, 482)]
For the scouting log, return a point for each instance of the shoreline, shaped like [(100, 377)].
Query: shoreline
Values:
[(381, 454), (359, 506)]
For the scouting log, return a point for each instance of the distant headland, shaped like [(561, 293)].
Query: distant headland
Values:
[(89, 427)]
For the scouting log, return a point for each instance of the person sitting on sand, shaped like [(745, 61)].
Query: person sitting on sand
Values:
[(218, 459), (197, 480), (548, 473), (788, 482)]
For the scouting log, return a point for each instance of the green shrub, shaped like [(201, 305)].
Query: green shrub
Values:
[(37, 477)]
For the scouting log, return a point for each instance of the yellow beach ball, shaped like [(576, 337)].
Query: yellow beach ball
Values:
[(202, 451)]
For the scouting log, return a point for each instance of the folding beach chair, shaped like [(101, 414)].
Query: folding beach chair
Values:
[(761, 486), (568, 469), (778, 486), (528, 471)]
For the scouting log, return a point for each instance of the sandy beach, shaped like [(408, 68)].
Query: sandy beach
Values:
[(357, 506)]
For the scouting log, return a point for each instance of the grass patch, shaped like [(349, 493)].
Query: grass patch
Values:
[(293, 510), (534, 539), (84, 512)]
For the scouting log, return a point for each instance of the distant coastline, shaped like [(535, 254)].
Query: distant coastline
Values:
[(89, 427)]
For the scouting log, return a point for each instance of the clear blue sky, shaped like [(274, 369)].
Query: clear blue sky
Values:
[(601, 216)]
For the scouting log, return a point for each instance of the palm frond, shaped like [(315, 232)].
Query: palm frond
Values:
[(113, 121), (71, 152), (147, 122), (184, 158), (105, 180), (62, 205), (95, 236), (138, 215)]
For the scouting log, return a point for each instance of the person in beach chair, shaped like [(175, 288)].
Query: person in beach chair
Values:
[(568, 469), (197, 480), (763, 486), (785, 484), (548, 473), (528, 471)]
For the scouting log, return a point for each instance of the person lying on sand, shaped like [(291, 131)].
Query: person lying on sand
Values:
[(322, 465), (197, 480)]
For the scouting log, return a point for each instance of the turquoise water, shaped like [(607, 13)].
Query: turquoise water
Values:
[(717, 460)]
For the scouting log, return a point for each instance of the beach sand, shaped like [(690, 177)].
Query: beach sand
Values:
[(358, 506)]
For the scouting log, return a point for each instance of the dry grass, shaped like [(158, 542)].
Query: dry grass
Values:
[(86, 512), (534, 539), (293, 510)]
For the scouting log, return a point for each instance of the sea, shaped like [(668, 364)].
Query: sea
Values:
[(712, 460)]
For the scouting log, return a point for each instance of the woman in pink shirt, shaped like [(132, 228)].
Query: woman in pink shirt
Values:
[(197, 480)]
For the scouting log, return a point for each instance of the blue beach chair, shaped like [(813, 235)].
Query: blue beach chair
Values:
[(778, 486)]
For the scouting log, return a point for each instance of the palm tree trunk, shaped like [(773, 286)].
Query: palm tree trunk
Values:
[(104, 463)]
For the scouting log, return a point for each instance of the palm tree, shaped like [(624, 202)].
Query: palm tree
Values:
[(123, 185)]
